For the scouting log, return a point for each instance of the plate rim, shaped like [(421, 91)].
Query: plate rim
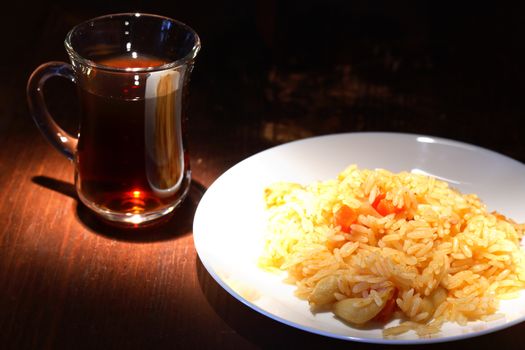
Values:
[(383, 341)]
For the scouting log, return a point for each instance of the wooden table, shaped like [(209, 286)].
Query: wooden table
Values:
[(68, 281)]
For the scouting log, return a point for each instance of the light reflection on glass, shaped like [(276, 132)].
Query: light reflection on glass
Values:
[(135, 219), (62, 137)]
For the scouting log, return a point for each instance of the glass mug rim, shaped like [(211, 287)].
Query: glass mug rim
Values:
[(170, 65), (151, 190)]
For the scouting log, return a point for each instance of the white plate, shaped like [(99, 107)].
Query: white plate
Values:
[(229, 222)]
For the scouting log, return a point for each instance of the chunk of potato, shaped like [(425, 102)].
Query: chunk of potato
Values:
[(439, 296), (360, 310), (323, 292), (352, 310)]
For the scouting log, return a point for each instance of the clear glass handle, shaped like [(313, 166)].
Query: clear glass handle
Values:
[(62, 141)]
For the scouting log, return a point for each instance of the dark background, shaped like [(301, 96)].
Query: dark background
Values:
[(283, 70), (269, 72)]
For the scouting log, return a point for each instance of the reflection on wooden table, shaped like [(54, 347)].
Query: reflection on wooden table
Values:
[(268, 73)]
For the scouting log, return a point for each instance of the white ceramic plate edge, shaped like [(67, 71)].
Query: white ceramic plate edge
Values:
[(198, 227)]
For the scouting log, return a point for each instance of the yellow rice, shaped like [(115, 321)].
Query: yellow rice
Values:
[(439, 238)]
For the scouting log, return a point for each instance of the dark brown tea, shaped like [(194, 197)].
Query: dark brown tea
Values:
[(130, 154)]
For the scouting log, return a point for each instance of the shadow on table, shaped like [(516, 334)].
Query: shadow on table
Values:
[(268, 333), (178, 224), (261, 331)]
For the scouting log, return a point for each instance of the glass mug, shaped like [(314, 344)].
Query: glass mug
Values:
[(132, 72)]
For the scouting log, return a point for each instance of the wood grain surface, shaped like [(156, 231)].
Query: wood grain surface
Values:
[(269, 73)]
